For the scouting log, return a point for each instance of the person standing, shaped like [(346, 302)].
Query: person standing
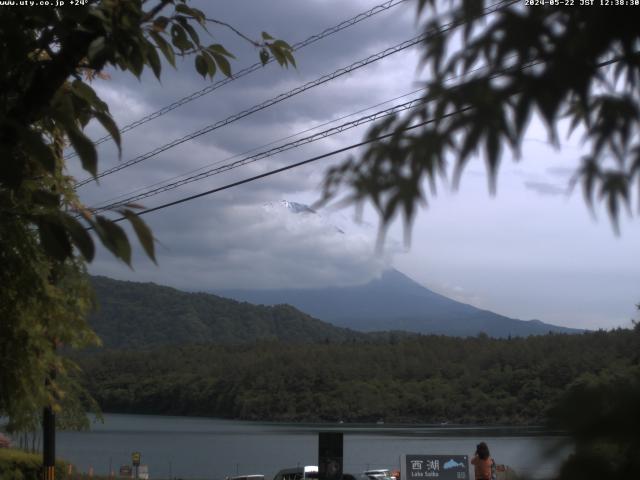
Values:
[(482, 462)]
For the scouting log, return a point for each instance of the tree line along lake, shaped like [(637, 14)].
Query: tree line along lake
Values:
[(190, 447)]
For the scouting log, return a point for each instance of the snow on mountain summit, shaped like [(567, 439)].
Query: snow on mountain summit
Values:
[(293, 207), (299, 215)]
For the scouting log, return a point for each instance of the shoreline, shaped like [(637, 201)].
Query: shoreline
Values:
[(427, 429)]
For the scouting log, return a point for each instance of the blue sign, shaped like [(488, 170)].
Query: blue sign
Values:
[(441, 467)]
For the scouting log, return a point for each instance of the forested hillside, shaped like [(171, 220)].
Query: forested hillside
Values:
[(428, 379), (140, 315)]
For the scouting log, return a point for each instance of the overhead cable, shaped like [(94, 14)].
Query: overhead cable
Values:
[(319, 81), (200, 174), (265, 154), (116, 200), (252, 68), (289, 167), (344, 149)]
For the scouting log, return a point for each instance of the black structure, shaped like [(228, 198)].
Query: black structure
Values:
[(330, 455), (49, 444)]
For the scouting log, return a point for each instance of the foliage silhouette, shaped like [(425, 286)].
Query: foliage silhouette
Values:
[(48, 57)]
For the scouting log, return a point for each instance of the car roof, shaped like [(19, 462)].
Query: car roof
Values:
[(306, 469), (291, 470)]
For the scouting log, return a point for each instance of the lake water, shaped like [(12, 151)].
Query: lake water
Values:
[(188, 447)]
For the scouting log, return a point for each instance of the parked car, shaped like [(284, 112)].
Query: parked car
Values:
[(304, 473), (246, 477), (297, 473), (378, 474)]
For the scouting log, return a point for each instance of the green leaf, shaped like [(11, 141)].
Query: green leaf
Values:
[(84, 92), (36, 147), (278, 55), (182, 8), (53, 238), (192, 33), (223, 64), (211, 65), (217, 48), (290, 57), (79, 236), (97, 50), (111, 127), (281, 50), (266, 36), (143, 232), (160, 24), (264, 56), (179, 38), (99, 14), (165, 48), (201, 65), (114, 238), (199, 16), (281, 45), (85, 149), (153, 59), (136, 59), (46, 199), (493, 150)]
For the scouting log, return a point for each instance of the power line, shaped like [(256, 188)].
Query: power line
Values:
[(247, 152), (209, 170), (289, 167), (256, 108), (321, 80), (344, 149), (268, 153), (252, 68), (183, 180)]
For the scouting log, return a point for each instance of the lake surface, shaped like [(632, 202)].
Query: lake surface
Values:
[(188, 447)]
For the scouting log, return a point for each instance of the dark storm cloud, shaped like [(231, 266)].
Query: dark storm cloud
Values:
[(228, 239), (249, 245)]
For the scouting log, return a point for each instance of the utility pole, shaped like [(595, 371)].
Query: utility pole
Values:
[(48, 415), (49, 440), (49, 431), (330, 455)]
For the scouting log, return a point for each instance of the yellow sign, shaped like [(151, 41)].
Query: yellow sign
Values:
[(135, 458)]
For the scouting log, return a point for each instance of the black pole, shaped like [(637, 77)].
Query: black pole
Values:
[(48, 415), (330, 455), (49, 443), (49, 433)]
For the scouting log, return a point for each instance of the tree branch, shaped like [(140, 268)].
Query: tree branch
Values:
[(236, 31), (155, 10)]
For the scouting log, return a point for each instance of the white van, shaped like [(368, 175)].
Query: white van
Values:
[(379, 474), (246, 477), (297, 473)]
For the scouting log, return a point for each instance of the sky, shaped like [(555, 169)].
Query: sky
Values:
[(532, 251)]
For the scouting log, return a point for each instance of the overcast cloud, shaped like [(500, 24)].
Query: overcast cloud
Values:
[(531, 252)]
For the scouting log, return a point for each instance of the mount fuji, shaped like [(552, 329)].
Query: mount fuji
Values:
[(395, 302), (391, 302)]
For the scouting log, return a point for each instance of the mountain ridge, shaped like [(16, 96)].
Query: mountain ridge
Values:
[(396, 302), (142, 315)]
